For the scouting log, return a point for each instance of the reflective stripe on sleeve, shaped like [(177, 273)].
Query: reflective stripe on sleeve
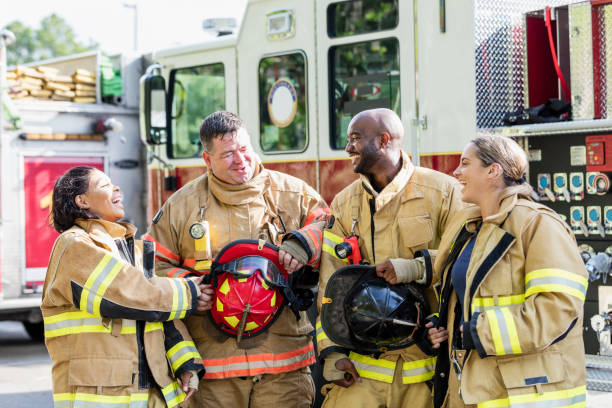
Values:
[(503, 331), (182, 352), (571, 398), (68, 323), (555, 280), (97, 283), (329, 243), (83, 400), (173, 394), (372, 368), (418, 371), (320, 334), (486, 303), (179, 300)]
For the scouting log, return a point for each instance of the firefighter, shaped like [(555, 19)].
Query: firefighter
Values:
[(238, 199), (513, 288), (108, 321), (392, 213)]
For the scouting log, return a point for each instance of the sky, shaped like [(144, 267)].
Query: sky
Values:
[(161, 23)]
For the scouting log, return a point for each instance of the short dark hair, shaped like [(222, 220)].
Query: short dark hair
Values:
[(64, 210), (216, 125)]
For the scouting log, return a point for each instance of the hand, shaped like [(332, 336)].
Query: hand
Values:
[(184, 383), (197, 280), (289, 262), (206, 297), (436, 336), (350, 373), (387, 272)]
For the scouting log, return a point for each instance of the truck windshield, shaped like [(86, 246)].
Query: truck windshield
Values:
[(195, 93)]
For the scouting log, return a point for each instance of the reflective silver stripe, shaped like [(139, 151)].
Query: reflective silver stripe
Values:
[(373, 368), (93, 321), (138, 404), (171, 395), (182, 351), (503, 329), (98, 404), (258, 364), (96, 285), (556, 281), (565, 402), (417, 371), (179, 287)]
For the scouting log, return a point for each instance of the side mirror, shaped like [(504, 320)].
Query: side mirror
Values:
[(153, 107)]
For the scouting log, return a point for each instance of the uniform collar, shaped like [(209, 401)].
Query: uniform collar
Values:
[(506, 205), (394, 187), (100, 230), (238, 194)]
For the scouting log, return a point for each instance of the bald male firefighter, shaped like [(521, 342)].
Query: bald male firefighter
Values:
[(393, 213), (238, 199)]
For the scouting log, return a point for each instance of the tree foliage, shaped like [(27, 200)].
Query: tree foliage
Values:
[(54, 38)]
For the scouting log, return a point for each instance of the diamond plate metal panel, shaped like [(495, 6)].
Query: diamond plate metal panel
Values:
[(599, 372), (581, 61), (500, 57)]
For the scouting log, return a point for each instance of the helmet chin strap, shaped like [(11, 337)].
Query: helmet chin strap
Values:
[(242, 325)]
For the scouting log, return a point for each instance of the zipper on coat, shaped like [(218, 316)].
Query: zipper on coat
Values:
[(145, 377), (372, 202)]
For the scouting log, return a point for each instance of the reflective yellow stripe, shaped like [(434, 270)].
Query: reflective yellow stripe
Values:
[(321, 335), (97, 283), (572, 398), (173, 394), (372, 368), (175, 295), (418, 371), (185, 306), (503, 331), (329, 242), (495, 332), (515, 344), (66, 400), (555, 280), (67, 323), (486, 303), (105, 284), (182, 352), (152, 326)]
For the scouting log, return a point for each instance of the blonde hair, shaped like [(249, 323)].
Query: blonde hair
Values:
[(511, 158)]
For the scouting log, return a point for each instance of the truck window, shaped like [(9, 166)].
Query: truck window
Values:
[(195, 93), (361, 16), (363, 76), (283, 119)]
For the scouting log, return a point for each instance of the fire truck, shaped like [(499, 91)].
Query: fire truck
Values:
[(297, 71), (39, 141)]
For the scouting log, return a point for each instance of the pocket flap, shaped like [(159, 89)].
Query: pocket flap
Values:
[(532, 369), (415, 231), (102, 372)]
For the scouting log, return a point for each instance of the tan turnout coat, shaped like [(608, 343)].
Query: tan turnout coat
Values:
[(523, 308), (411, 213), (253, 210), (97, 301)]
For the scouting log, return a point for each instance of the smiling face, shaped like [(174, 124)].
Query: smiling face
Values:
[(362, 144), (102, 199), (475, 178), (232, 159)]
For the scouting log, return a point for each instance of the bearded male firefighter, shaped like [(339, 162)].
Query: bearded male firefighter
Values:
[(231, 221), (393, 213)]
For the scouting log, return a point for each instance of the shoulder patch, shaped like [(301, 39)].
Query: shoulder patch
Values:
[(158, 216)]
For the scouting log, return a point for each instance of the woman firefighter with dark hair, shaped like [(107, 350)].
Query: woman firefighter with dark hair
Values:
[(512, 292), (111, 326)]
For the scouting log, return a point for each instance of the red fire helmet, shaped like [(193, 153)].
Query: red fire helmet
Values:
[(248, 283)]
